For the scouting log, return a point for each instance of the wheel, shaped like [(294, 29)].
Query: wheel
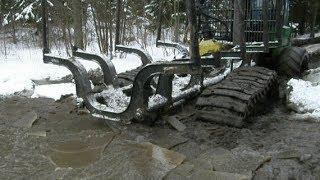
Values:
[(293, 62)]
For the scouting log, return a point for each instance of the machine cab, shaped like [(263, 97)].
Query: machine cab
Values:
[(219, 20)]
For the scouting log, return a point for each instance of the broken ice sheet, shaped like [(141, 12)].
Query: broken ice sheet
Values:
[(167, 138), (175, 123), (124, 159), (241, 160)]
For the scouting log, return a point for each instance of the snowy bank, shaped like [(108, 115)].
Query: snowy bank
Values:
[(21, 67), (313, 49), (304, 95), (306, 36), (54, 91)]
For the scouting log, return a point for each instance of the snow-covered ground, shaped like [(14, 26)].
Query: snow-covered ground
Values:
[(304, 95), (21, 65), (54, 91), (306, 36), (313, 49)]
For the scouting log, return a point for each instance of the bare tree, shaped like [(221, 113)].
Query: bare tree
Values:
[(77, 14), (314, 17), (118, 22)]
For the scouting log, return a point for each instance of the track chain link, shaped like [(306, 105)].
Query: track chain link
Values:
[(234, 99)]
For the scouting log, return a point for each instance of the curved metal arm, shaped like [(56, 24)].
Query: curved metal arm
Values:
[(138, 103), (144, 56), (108, 69), (184, 51), (80, 75)]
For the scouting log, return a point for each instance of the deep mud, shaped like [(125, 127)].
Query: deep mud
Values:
[(59, 141), (32, 152)]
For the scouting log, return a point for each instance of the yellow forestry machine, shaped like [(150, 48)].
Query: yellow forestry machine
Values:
[(237, 47)]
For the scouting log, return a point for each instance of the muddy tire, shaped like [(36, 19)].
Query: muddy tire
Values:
[(293, 62)]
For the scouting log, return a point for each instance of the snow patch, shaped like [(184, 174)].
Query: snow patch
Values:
[(18, 69), (313, 48), (114, 99), (307, 36), (179, 83), (12, 85), (126, 63), (54, 91), (155, 100), (210, 81), (20, 65), (304, 97)]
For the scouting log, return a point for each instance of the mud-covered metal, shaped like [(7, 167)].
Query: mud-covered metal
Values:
[(183, 50), (145, 56), (80, 75), (138, 106), (107, 67)]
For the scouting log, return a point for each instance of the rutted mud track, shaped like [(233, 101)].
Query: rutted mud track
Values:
[(24, 152), (234, 99)]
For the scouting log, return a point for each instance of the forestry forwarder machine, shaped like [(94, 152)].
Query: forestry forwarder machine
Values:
[(221, 32)]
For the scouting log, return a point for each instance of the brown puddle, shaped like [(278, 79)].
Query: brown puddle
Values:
[(147, 158), (79, 153)]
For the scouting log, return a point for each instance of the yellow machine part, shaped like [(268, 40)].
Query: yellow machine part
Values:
[(209, 46)]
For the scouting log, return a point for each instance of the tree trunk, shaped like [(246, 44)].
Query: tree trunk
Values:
[(77, 23), (69, 34), (65, 37), (110, 37), (314, 19), (96, 28), (176, 22), (194, 36), (302, 16), (302, 25), (123, 39), (118, 21), (239, 27), (4, 44), (186, 31), (14, 34), (84, 23)]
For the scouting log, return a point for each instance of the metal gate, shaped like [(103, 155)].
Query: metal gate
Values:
[(217, 19)]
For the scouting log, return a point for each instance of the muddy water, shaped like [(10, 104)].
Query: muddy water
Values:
[(82, 142), (79, 153), (74, 154)]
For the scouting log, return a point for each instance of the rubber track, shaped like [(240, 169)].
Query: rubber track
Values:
[(233, 100)]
